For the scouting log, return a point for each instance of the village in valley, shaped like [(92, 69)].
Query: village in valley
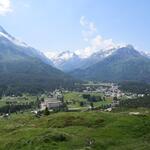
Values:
[(85, 97), (99, 96)]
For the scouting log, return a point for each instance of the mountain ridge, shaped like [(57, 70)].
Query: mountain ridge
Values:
[(124, 64), (75, 61)]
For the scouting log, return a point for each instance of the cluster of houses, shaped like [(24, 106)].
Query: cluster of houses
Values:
[(109, 90)]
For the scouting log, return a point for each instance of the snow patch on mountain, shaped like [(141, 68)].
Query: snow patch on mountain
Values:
[(145, 53), (68, 60), (63, 57), (11, 41), (78, 60), (4, 34)]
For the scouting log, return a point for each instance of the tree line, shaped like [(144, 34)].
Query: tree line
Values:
[(93, 98), (11, 108), (136, 102)]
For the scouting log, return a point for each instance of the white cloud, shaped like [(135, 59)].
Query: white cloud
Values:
[(5, 7), (101, 43), (51, 54), (87, 24), (95, 41), (89, 28)]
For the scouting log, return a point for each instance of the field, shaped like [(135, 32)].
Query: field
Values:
[(74, 99), (16, 104), (17, 100), (77, 131)]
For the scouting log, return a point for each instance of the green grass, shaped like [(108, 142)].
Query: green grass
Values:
[(66, 131), (18, 100), (70, 96), (76, 97)]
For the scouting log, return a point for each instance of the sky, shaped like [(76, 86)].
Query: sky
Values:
[(77, 25)]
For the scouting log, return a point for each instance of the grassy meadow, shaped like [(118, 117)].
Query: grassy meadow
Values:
[(74, 99), (76, 131)]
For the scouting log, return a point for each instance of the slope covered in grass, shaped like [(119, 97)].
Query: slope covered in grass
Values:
[(76, 131)]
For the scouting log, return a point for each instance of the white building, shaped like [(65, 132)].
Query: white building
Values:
[(51, 103)]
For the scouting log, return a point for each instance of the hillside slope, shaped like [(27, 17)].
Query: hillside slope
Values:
[(80, 130), (24, 69)]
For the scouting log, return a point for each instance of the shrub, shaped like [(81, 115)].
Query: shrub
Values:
[(46, 111)]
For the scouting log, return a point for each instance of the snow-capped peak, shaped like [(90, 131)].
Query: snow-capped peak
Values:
[(66, 55), (145, 53), (4, 34), (60, 58), (104, 53)]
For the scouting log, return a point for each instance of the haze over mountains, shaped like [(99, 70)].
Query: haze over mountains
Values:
[(23, 67)]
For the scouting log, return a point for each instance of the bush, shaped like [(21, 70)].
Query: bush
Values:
[(59, 137), (46, 111), (81, 104)]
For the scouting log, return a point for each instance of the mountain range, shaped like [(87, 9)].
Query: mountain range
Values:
[(25, 69), (124, 64), (68, 61), (118, 64)]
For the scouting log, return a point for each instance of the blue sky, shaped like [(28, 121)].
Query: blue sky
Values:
[(77, 24)]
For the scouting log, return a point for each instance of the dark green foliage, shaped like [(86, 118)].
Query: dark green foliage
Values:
[(92, 105), (81, 103), (105, 106), (137, 102), (115, 99), (59, 138), (42, 99), (61, 98), (23, 73), (46, 111), (37, 102), (92, 98), (86, 96), (64, 107), (135, 87), (11, 108), (104, 98)]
